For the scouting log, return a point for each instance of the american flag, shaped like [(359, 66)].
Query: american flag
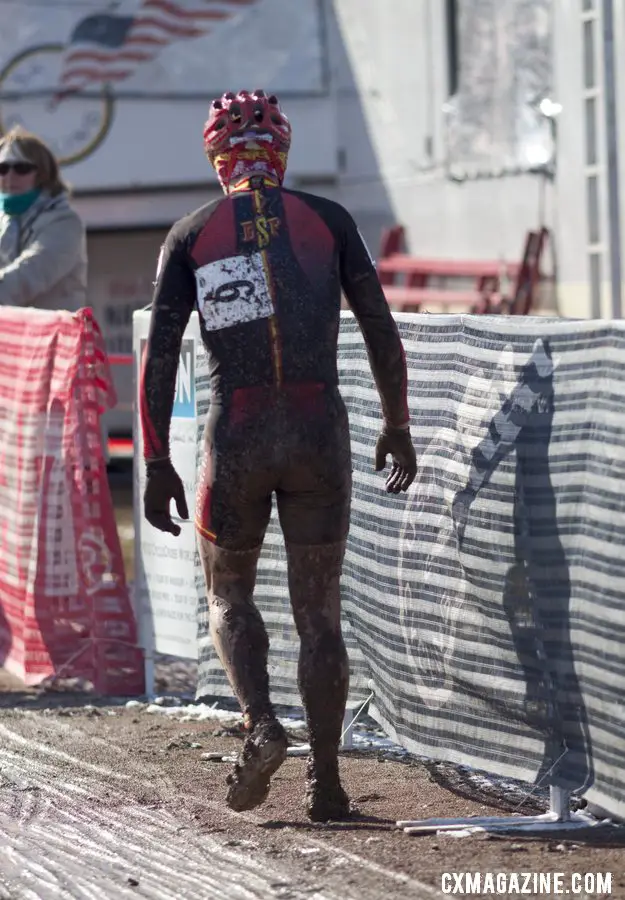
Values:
[(105, 48)]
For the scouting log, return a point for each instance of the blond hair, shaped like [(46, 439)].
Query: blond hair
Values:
[(39, 154)]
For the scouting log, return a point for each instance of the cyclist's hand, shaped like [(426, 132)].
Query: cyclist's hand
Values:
[(163, 486), (398, 443)]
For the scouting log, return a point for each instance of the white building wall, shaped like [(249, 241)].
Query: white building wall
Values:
[(146, 129), (569, 219), (619, 31), (398, 54), (375, 140)]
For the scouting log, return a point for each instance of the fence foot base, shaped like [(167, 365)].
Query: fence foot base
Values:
[(541, 824), (298, 750)]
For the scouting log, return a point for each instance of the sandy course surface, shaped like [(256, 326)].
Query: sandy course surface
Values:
[(103, 800)]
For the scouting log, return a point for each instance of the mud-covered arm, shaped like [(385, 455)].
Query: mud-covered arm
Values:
[(366, 299), (172, 305)]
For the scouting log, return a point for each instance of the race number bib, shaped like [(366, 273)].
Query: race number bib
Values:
[(232, 291)]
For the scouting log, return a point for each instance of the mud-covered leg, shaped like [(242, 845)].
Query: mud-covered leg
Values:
[(242, 644), (237, 628), (314, 577)]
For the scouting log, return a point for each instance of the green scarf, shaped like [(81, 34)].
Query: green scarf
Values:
[(16, 204)]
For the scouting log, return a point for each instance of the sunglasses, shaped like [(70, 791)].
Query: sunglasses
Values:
[(20, 168)]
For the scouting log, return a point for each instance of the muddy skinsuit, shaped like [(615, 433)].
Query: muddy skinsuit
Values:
[(265, 267)]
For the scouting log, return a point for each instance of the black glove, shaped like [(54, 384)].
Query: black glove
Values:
[(163, 486), (398, 443)]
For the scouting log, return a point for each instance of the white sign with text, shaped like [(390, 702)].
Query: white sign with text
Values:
[(165, 589)]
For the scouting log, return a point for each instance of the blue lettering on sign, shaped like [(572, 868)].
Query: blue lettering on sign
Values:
[(184, 401), (184, 398)]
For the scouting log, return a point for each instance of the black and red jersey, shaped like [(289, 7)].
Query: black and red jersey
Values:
[(265, 268)]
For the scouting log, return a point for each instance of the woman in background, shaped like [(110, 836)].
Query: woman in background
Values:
[(43, 253)]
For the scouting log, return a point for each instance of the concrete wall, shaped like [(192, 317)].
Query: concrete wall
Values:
[(146, 131), (399, 62), (375, 139), (360, 183)]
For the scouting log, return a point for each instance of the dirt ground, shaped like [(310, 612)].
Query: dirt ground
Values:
[(164, 766), (102, 800)]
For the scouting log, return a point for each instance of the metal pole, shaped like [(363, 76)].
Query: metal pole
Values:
[(609, 87), (347, 740), (560, 803)]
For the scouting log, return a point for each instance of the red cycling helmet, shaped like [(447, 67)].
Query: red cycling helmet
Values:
[(246, 134), (233, 116)]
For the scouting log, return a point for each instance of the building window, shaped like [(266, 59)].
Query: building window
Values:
[(592, 207), (589, 54), (453, 60), (591, 131), (595, 285)]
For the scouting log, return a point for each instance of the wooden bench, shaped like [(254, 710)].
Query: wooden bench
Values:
[(490, 286), (407, 299)]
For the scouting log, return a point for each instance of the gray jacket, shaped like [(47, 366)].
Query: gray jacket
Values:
[(43, 256)]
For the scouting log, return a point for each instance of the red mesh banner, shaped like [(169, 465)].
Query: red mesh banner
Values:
[(65, 608)]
